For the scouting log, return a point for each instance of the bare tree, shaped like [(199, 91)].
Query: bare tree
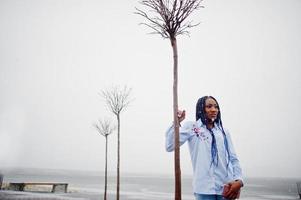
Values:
[(117, 100), (105, 128), (168, 19)]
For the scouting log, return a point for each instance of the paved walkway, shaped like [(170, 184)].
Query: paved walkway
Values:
[(14, 195)]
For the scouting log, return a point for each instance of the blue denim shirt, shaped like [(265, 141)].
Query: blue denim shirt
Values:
[(207, 178)]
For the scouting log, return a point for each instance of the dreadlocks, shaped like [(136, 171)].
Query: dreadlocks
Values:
[(201, 114)]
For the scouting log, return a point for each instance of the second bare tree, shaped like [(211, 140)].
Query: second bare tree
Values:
[(117, 99)]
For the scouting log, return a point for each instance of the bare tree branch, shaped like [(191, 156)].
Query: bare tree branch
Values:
[(117, 98), (169, 16), (104, 127)]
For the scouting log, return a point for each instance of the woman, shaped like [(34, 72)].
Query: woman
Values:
[(216, 170)]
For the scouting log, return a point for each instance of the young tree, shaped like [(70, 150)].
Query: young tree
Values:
[(105, 128), (168, 19), (117, 100)]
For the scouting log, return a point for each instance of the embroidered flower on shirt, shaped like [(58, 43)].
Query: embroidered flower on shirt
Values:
[(196, 130), (199, 133)]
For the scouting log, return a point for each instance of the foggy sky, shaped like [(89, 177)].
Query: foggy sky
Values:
[(56, 56)]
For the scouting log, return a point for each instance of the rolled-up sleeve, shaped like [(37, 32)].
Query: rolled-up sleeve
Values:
[(185, 134)]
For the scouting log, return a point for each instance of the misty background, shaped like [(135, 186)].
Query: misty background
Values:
[(57, 55)]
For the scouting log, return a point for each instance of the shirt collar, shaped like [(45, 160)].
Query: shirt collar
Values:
[(200, 124)]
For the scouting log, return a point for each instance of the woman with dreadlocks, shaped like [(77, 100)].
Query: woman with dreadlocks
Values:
[(216, 169)]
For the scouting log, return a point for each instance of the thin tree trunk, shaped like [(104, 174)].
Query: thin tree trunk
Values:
[(118, 156), (106, 166), (178, 195)]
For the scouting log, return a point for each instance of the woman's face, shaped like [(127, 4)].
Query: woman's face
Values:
[(211, 109)]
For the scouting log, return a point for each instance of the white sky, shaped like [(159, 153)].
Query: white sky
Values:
[(56, 55)]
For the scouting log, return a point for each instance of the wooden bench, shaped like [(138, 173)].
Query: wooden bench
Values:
[(55, 186)]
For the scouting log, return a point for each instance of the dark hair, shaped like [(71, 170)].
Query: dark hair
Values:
[(201, 114)]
